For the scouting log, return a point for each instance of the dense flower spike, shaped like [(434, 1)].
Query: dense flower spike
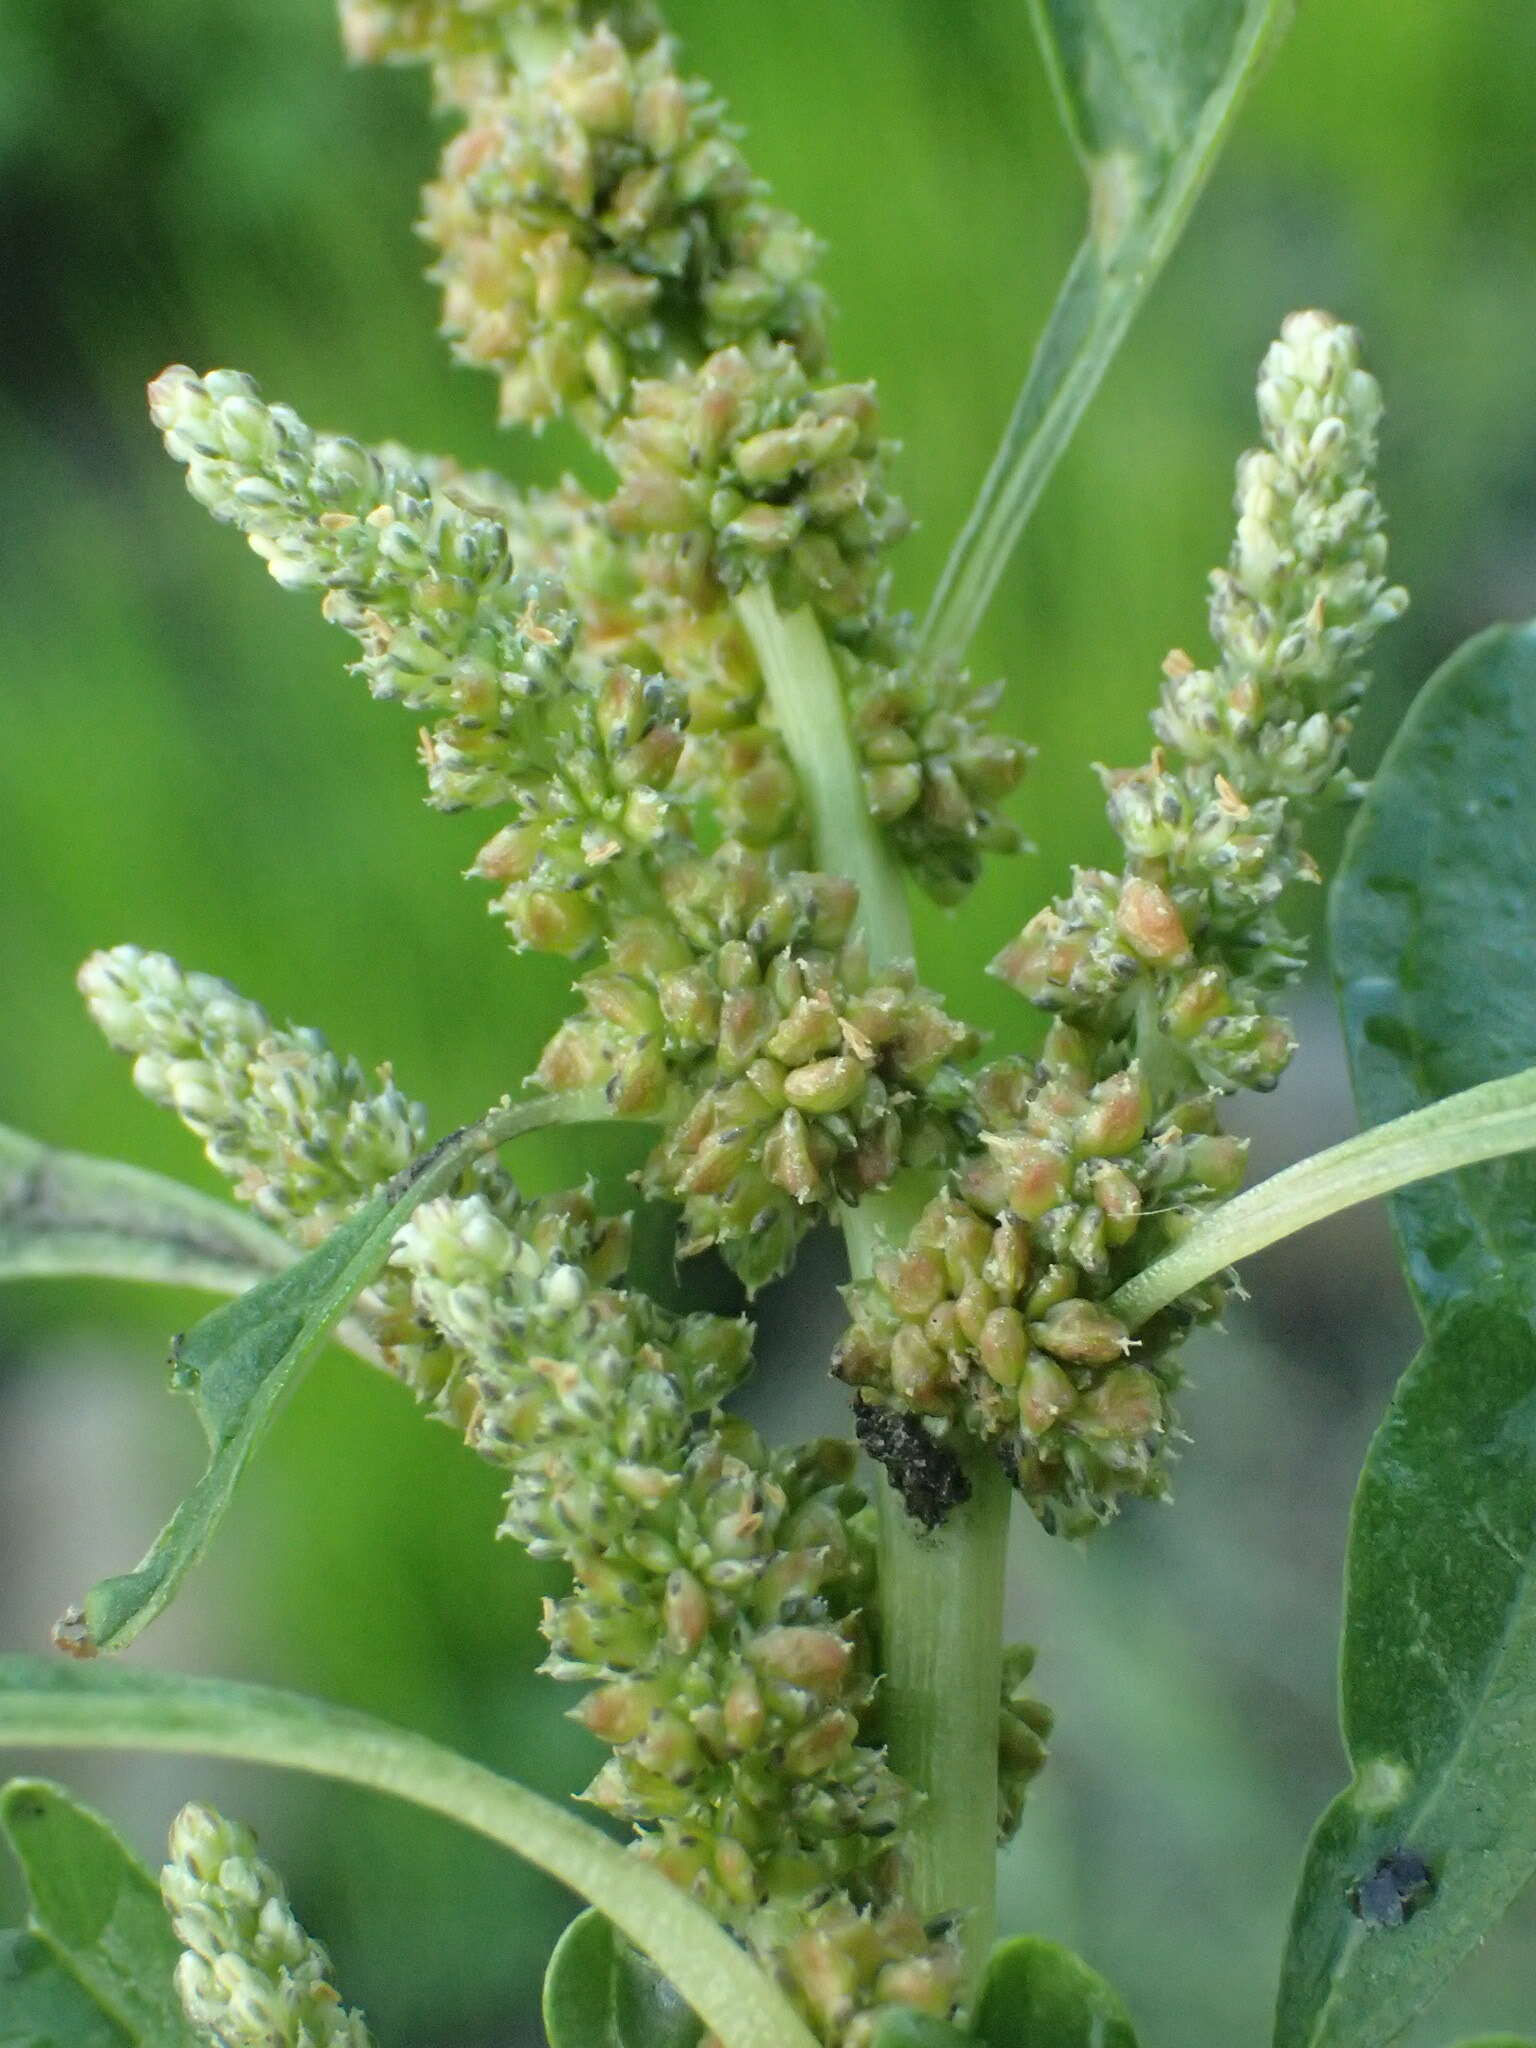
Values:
[(249, 1976), (782, 476), (721, 1589), (426, 583), (1095, 1158), (303, 1135), (789, 1074), (597, 223)]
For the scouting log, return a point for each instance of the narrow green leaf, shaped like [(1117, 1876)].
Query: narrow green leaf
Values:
[(1431, 935), (1149, 90), (239, 1363), (43, 2006), (1499, 2041), (599, 1992), (67, 1213), (1038, 1995), (62, 1706), (97, 1912)]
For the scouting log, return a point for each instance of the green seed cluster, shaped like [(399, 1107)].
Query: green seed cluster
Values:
[(474, 47), (304, 1135), (597, 222), (782, 474), (428, 587), (722, 1591), (249, 1976), (789, 1074), (1096, 1157), (934, 770), (1024, 1726)]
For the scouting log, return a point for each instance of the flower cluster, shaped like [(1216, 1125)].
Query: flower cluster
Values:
[(447, 626), (249, 1976), (722, 1592), (993, 1316), (788, 1073), (304, 1136), (597, 222)]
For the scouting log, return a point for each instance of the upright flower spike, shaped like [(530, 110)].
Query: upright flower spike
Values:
[(249, 1976), (1094, 1159), (720, 1602), (427, 584), (303, 1135)]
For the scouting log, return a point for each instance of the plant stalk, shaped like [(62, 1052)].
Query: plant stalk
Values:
[(1485, 1122), (941, 1593)]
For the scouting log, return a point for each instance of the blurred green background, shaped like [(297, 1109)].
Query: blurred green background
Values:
[(186, 765)]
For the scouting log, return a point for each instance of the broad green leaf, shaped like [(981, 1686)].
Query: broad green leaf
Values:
[(1149, 90), (238, 1364), (1434, 944), (63, 1706), (96, 1911), (1431, 938), (599, 1992), (43, 2006), (67, 1213), (1038, 1995), (1499, 2041)]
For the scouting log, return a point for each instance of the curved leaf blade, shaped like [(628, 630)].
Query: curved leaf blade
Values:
[(68, 1213), (42, 2006), (1431, 935), (599, 1992), (239, 1363), (66, 1706), (1149, 90), (1036, 1994), (97, 1913)]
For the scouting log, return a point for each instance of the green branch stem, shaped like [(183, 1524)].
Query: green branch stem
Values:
[(52, 1706), (1137, 212), (1485, 1122), (941, 1593)]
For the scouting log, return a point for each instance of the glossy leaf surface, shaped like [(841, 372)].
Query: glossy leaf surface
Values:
[(96, 1962), (1038, 1995), (599, 1992), (1148, 90), (1437, 972)]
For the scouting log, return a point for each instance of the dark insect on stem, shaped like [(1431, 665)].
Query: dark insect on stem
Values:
[(1395, 1890), (926, 1474)]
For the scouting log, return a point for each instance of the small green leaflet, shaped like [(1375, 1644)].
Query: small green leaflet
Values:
[(1432, 941), (93, 1969), (67, 1213), (599, 1992), (238, 1364), (1036, 1994), (1149, 90)]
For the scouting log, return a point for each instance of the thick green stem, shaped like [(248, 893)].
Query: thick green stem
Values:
[(942, 1592)]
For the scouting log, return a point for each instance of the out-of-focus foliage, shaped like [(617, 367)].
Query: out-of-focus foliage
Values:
[(187, 766)]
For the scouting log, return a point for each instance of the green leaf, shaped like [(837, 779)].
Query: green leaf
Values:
[(1498, 2041), (903, 2028), (238, 1364), (43, 2006), (1149, 90), (67, 1213), (62, 1706), (98, 1959), (1038, 1995), (599, 1992), (1409, 1868)]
